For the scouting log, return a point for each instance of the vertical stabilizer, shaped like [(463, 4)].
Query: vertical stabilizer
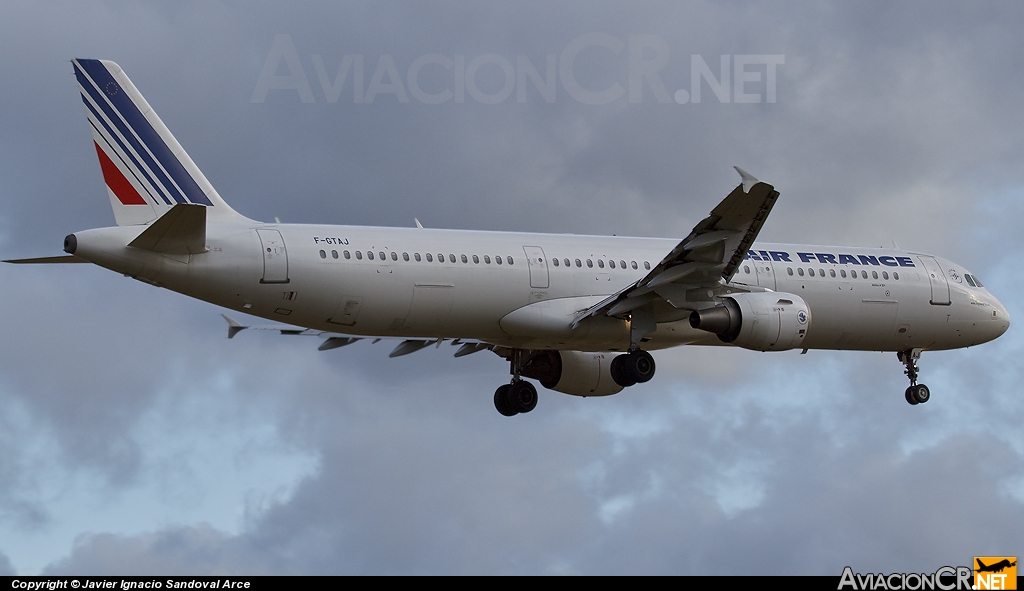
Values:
[(146, 170)]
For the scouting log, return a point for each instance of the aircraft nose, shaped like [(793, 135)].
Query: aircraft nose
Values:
[(1000, 318)]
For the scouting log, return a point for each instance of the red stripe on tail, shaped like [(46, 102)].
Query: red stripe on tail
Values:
[(123, 190)]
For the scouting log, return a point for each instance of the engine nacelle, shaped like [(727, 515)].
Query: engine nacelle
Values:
[(767, 321), (573, 372)]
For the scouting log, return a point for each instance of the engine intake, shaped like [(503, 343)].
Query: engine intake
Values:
[(767, 321)]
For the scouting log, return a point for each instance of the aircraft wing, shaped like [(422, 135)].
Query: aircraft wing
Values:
[(334, 340), (708, 257)]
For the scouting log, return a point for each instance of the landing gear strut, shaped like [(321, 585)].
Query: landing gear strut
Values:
[(519, 396), (916, 393), (636, 366)]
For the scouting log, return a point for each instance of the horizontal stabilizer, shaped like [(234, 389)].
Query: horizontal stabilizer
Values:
[(182, 230), (48, 260)]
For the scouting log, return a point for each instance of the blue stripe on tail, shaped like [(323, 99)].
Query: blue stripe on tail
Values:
[(187, 190)]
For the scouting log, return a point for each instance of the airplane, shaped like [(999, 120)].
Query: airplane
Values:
[(579, 314), (994, 568)]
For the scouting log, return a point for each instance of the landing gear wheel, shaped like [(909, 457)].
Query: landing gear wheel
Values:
[(909, 395), (620, 372), (635, 367), (501, 401), (641, 364), (921, 393), (522, 396)]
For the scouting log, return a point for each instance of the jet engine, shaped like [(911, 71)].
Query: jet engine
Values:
[(573, 372), (768, 321)]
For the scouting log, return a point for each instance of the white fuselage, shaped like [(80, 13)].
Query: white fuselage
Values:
[(426, 283)]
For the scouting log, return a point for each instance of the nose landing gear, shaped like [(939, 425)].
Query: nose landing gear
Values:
[(916, 393)]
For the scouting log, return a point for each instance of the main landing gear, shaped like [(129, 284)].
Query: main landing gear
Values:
[(635, 367), (519, 396), (512, 399), (916, 393)]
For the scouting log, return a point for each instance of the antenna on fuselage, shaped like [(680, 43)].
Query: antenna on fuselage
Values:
[(418, 224)]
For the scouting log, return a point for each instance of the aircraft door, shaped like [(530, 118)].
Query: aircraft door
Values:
[(538, 266), (275, 257), (765, 276), (937, 279)]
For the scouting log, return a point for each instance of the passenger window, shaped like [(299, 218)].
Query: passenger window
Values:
[(359, 255), (334, 254), (476, 260), (789, 270), (487, 259), (885, 275), (622, 264), (800, 271), (430, 258), (842, 273), (497, 259), (383, 256), (832, 272), (510, 261), (416, 256), (451, 258), (874, 274), (647, 265), (440, 258), (578, 263), (369, 255), (323, 254), (347, 254), (405, 256), (633, 264), (554, 262), (864, 274), (600, 263), (746, 269), (896, 276), (464, 258), (566, 261), (394, 255), (590, 263), (611, 264)]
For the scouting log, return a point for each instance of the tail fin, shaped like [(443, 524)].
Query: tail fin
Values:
[(146, 170)]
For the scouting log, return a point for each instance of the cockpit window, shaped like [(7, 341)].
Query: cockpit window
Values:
[(970, 281)]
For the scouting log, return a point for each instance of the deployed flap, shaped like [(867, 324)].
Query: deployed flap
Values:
[(709, 255), (182, 230)]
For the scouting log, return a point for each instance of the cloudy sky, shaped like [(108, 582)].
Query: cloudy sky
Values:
[(135, 438)]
